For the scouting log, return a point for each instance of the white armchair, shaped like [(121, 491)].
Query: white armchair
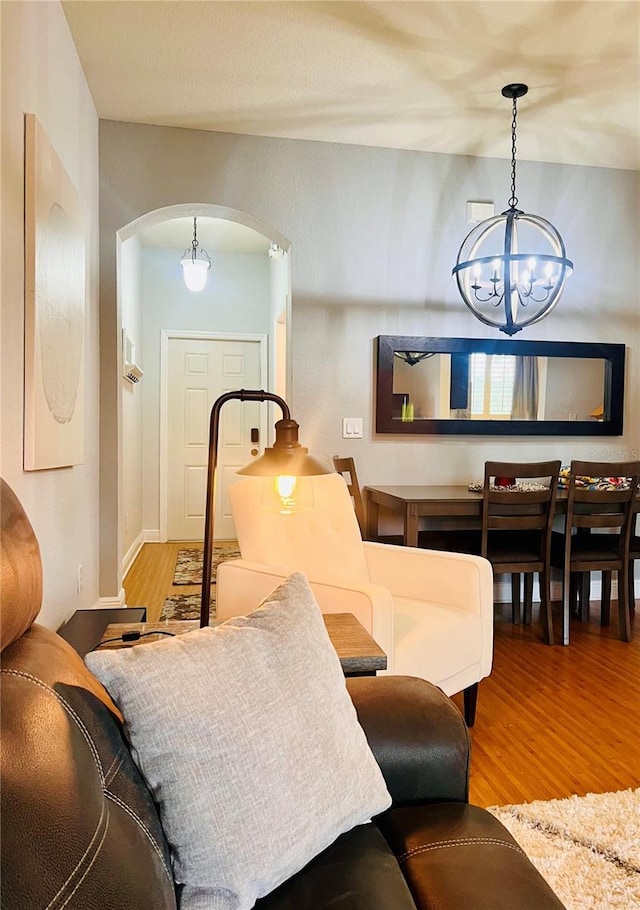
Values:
[(430, 611)]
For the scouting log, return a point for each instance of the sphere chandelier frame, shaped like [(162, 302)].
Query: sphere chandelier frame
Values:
[(494, 285)]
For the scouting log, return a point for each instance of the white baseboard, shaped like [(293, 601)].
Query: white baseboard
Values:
[(502, 589), (132, 552), (151, 535), (106, 602)]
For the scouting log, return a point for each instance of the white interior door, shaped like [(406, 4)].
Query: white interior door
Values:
[(198, 372)]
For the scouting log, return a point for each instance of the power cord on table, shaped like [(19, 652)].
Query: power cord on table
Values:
[(131, 636)]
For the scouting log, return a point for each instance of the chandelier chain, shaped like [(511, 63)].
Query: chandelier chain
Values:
[(514, 199), (194, 242)]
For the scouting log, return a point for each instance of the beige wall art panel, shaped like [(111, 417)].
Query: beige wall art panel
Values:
[(54, 308)]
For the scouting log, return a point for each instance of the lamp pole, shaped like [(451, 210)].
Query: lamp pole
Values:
[(209, 517)]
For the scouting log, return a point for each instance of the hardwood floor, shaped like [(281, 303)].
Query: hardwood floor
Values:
[(552, 721)]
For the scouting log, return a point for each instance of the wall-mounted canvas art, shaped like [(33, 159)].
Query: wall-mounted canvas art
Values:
[(54, 308)]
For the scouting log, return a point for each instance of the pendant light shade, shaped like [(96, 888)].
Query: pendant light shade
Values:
[(512, 268), (195, 264)]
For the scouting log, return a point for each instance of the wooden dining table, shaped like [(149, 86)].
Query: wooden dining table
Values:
[(445, 507)]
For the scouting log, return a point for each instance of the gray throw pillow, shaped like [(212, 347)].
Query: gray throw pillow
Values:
[(249, 742)]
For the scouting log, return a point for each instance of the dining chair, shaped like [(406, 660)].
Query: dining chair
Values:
[(597, 536), (517, 522), (634, 556), (347, 468), (456, 541), (431, 612)]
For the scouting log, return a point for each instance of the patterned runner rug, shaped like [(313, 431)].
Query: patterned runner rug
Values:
[(189, 563), (186, 606), (587, 848)]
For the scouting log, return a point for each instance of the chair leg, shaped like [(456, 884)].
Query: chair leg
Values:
[(528, 598), (585, 594), (573, 592), (470, 696), (515, 598), (605, 599), (632, 587), (579, 592), (566, 603), (545, 607), (623, 606)]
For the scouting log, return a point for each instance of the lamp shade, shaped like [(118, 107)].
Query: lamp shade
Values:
[(286, 457), (195, 272)]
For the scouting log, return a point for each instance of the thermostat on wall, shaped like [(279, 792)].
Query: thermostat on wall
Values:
[(130, 370)]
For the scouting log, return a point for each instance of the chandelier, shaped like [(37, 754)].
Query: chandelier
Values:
[(195, 264), (413, 357), (511, 269)]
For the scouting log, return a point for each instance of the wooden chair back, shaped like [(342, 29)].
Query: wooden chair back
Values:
[(597, 506), (512, 510), (346, 467)]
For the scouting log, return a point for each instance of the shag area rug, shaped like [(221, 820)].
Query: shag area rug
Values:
[(587, 848), (188, 569), (186, 606)]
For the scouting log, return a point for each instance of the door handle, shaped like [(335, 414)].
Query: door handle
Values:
[(255, 435)]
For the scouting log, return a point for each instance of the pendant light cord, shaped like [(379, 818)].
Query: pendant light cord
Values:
[(514, 199), (194, 242)]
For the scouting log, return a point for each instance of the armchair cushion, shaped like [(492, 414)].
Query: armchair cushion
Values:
[(255, 726)]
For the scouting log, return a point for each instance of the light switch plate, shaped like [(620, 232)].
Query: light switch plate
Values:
[(352, 427)]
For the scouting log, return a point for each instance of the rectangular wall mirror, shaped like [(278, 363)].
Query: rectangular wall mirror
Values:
[(484, 386)]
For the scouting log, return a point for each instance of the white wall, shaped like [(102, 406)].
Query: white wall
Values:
[(41, 74), (132, 397), (236, 299), (280, 313)]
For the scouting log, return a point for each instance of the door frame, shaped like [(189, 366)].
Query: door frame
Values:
[(166, 336)]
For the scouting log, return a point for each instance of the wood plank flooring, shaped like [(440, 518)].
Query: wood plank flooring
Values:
[(551, 721)]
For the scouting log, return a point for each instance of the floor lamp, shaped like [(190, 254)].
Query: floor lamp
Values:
[(285, 461)]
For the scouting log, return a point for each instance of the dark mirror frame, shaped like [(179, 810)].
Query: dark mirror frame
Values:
[(612, 354)]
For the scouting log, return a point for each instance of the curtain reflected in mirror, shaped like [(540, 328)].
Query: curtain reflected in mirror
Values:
[(525, 389)]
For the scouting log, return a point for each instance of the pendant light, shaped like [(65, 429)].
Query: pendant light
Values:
[(511, 269), (195, 264)]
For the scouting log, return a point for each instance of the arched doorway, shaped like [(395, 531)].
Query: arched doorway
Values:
[(154, 307)]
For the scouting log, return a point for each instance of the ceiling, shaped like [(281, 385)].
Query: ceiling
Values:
[(213, 235), (424, 74)]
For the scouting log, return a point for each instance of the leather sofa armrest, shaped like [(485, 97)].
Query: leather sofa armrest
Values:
[(417, 736)]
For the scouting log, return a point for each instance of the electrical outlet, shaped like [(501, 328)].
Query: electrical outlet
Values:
[(352, 427), (80, 581)]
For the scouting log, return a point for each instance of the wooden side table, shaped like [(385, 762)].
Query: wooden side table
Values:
[(85, 628), (359, 653)]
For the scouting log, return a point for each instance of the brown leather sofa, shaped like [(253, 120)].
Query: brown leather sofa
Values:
[(80, 830)]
